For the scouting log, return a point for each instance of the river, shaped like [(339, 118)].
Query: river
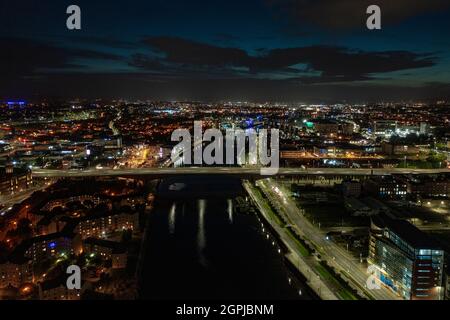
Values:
[(199, 247)]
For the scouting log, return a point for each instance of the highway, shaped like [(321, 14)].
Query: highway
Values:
[(239, 171), (11, 199), (306, 265), (426, 227), (335, 255)]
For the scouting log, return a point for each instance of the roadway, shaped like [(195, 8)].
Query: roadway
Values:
[(8, 200), (422, 227), (334, 254), (239, 171), (306, 265)]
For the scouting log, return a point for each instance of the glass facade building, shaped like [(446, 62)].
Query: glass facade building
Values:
[(406, 260)]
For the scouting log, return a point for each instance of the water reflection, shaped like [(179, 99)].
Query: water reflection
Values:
[(230, 210), (201, 239), (172, 217), (200, 245)]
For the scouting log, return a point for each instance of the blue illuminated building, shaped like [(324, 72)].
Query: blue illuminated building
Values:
[(15, 104), (407, 260)]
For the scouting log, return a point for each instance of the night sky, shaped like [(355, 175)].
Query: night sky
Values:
[(267, 50)]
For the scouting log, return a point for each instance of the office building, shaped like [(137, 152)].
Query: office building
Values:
[(406, 260)]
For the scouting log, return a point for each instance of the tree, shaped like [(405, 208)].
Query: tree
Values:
[(101, 208), (40, 162), (24, 227), (3, 250), (126, 236), (435, 158)]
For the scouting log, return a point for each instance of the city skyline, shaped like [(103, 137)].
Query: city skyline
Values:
[(264, 153), (353, 204), (287, 51)]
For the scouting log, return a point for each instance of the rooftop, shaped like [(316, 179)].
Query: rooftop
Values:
[(407, 232), (116, 247)]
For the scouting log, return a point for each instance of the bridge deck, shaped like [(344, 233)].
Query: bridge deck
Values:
[(238, 171)]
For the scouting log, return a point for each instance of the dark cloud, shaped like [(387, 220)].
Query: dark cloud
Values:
[(330, 64), (225, 37), (182, 69), (25, 57), (145, 62), (180, 58), (145, 86), (104, 41), (178, 50), (337, 61), (347, 14), (164, 69)]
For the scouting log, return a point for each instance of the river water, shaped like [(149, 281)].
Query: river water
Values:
[(199, 247)]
